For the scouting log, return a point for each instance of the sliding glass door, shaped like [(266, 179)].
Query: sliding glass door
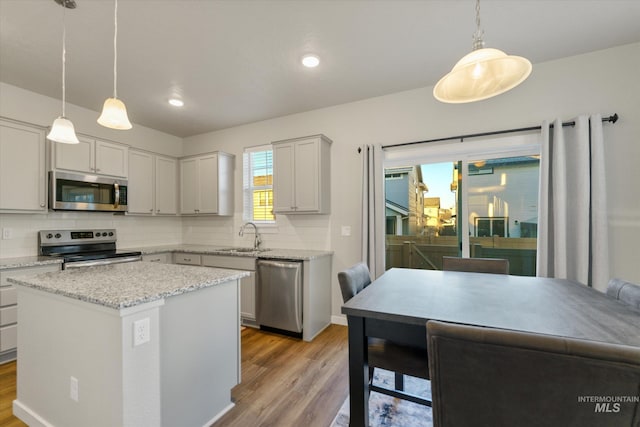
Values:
[(480, 202)]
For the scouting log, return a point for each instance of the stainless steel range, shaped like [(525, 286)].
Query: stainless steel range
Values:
[(84, 248)]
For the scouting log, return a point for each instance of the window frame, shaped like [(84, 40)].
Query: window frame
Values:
[(248, 188)]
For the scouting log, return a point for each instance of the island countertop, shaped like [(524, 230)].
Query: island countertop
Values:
[(125, 285)]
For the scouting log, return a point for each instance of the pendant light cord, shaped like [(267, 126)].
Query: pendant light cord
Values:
[(64, 55), (115, 50), (478, 42)]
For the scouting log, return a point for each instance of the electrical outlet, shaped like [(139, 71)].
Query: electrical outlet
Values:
[(141, 332), (73, 389), (7, 233)]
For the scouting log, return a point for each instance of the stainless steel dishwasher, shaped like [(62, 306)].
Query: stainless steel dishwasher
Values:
[(279, 295)]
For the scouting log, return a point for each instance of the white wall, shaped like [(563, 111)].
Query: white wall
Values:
[(604, 81), (20, 104)]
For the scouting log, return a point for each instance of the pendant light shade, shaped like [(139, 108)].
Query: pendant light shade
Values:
[(62, 129), (481, 74), (114, 113)]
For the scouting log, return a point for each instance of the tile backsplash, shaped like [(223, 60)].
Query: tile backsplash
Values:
[(132, 231)]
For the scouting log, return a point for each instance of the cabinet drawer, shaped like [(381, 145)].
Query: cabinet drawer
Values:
[(190, 259), (232, 262), (8, 337), (8, 315), (8, 296), (158, 258)]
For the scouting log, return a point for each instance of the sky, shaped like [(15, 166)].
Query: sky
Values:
[(438, 177)]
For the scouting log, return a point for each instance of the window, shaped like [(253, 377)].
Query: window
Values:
[(257, 186), (479, 200)]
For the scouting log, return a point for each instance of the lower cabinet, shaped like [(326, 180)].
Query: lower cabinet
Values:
[(9, 308), (247, 284), (161, 258)]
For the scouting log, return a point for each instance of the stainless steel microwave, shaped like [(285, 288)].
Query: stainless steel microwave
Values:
[(79, 192)]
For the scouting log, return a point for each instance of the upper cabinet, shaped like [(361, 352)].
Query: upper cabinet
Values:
[(302, 175), (92, 156), (206, 184), (153, 184), (22, 167)]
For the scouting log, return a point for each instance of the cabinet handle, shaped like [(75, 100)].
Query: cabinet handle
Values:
[(150, 210), (154, 260), (98, 169), (187, 259), (158, 211), (42, 205)]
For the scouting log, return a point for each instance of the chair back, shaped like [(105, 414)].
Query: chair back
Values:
[(353, 280), (627, 292), (476, 265), (494, 377)]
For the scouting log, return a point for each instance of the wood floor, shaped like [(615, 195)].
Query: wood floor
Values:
[(285, 381)]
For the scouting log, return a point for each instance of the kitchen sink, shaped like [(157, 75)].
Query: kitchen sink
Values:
[(243, 250)]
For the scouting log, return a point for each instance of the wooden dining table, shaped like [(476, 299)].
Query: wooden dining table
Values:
[(398, 304)]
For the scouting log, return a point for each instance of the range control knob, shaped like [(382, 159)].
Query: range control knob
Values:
[(58, 235), (111, 233), (49, 235)]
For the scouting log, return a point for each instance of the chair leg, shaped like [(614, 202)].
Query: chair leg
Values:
[(399, 382)]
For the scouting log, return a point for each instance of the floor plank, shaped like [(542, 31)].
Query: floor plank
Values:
[(285, 381)]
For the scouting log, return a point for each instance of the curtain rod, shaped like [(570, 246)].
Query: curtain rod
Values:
[(611, 119)]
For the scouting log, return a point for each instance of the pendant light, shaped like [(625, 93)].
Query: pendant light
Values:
[(62, 129), (114, 113), (481, 74)]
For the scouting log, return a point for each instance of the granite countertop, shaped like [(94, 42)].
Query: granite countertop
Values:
[(129, 284), (28, 261), (275, 253)]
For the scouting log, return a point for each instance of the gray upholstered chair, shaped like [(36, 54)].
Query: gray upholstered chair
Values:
[(627, 292), (494, 377), (476, 265), (384, 354)]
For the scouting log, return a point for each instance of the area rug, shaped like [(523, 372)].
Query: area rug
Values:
[(386, 411)]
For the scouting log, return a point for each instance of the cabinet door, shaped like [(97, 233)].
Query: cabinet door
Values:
[(75, 157), (111, 159), (188, 186), (208, 184), (166, 186), (283, 176), (140, 190), (22, 169), (306, 175)]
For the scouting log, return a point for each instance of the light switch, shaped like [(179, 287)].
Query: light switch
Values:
[(346, 230)]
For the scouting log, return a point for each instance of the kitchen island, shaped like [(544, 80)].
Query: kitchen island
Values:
[(135, 344)]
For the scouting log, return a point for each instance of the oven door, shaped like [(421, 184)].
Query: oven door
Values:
[(70, 191)]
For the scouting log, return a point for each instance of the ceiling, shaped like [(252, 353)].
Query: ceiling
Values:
[(237, 62)]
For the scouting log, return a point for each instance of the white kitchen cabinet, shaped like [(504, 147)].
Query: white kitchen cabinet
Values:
[(9, 307), (161, 258), (302, 175), (152, 184), (206, 184), (22, 167), (247, 284), (187, 258), (92, 156)]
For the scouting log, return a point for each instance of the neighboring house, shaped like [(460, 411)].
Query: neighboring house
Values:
[(503, 197), (404, 200)]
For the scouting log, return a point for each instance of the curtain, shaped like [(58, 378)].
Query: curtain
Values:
[(373, 225), (572, 218)]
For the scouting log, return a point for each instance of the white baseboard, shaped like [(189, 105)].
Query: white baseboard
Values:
[(339, 319), (217, 417), (28, 416)]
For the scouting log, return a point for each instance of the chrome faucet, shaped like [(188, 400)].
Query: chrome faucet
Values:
[(257, 240)]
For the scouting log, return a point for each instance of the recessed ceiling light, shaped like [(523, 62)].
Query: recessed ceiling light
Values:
[(176, 102), (310, 61)]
